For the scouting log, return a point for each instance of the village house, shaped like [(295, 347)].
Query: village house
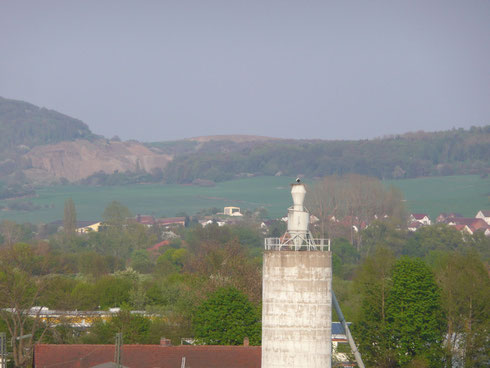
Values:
[(232, 211), (170, 222), (484, 215), (414, 226), (469, 225), (84, 227), (207, 222), (166, 222), (423, 218), (145, 220), (443, 217)]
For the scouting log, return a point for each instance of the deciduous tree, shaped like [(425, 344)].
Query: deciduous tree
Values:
[(19, 293), (69, 217), (414, 313), (465, 288), (226, 318), (354, 200), (373, 282)]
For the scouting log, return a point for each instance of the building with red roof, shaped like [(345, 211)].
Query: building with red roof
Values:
[(146, 356)]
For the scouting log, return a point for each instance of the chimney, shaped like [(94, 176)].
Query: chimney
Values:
[(245, 341), (165, 342)]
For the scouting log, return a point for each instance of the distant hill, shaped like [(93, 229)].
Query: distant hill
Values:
[(411, 155), (237, 138), (24, 124), (41, 146)]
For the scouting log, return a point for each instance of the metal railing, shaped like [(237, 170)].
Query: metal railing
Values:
[(297, 244)]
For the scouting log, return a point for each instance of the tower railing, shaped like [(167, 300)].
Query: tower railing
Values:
[(292, 243)]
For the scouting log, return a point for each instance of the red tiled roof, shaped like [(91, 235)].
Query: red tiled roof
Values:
[(459, 227), (157, 246), (477, 223), (170, 220), (419, 216), (147, 356), (415, 224), (145, 219)]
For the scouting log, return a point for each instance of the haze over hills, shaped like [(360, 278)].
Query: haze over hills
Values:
[(41, 146)]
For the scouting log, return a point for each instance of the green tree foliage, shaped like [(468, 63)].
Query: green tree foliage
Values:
[(140, 261), (19, 292), (226, 318), (69, 217), (373, 283), (95, 264), (135, 329), (438, 237), (116, 214), (465, 286), (11, 232), (401, 320), (385, 235), (344, 257), (22, 123), (414, 313), (225, 265)]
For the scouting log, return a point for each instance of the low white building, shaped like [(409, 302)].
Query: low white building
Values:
[(232, 211), (423, 218)]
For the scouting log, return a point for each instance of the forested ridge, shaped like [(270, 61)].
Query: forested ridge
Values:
[(418, 154), (403, 156), (22, 123)]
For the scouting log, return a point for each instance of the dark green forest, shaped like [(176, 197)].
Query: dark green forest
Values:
[(22, 123)]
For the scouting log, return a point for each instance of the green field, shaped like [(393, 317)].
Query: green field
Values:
[(464, 194)]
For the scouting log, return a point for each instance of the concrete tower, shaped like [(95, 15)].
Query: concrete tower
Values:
[(297, 294)]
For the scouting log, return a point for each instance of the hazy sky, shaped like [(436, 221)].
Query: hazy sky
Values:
[(162, 70)]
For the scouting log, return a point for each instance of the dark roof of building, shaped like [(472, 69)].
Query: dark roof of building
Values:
[(338, 329), (147, 356), (486, 213)]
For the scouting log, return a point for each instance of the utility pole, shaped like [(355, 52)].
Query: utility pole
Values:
[(3, 350), (118, 354)]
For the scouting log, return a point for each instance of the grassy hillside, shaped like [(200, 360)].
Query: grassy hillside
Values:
[(464, 194)]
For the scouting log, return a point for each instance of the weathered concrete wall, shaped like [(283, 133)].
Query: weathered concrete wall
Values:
[(297, 309)]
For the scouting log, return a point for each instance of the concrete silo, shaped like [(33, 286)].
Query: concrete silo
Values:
[(297, 294)]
